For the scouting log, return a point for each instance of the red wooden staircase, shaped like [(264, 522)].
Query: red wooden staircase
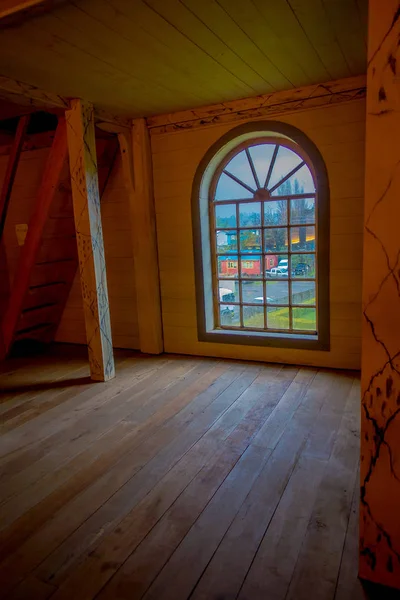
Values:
[(48, 259)]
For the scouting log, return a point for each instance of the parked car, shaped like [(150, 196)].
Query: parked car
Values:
[(277, 272), (301, 270), (260, 299)]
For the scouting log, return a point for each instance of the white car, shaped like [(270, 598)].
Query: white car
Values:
[(278, 272)]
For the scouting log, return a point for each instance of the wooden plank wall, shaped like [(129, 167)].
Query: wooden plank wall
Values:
[(339, 133), (118, 247), (120, 272)]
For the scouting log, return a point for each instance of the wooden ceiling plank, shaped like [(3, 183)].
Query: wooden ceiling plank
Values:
[(285, 25), (252, 22), (215, 17), (345, 19), (54, 64), (314, 20), (211, 76), (178, 16), (264, 105), (88, 26)]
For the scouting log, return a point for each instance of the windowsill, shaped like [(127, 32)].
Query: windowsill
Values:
[(262, 338)]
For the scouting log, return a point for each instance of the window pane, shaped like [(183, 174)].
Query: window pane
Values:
[(303, 265), (276, 239), (250, 214), (278, 266), (228, 189), (305, 318), (303, 292), (278, 292), (277, 318), (302, 238), (228, 291), (300, 182), (253, 316), (251, 266), (227, 266), (229, 315), (225, 215), (262, 155), (226, 241), (302, 211), (250, 240), (240, 167), (275, 212), (286, 160), (253, 292)]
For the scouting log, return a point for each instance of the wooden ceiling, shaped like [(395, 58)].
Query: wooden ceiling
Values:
[(143, 57)]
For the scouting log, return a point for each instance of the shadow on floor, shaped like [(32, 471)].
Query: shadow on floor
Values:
[(46, 385), (373, 591)]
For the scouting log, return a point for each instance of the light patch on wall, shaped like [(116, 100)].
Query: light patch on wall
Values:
[(21, 229)]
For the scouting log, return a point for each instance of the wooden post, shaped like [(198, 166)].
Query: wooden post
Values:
[(137, 168), (12, 165), (89, 237), (45, 195)]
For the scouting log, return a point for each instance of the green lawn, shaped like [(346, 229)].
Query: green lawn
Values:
[(303, 318)]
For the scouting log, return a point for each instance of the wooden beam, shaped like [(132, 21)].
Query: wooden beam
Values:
[(11, 7), (89, 236), (45, 195), (261, 106), (14, 12), (22, 93), (12, 165), (137, 168)]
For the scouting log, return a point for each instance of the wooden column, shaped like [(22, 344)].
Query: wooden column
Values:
[(89, 237), (138, 174), (380, 404), (50, 180)]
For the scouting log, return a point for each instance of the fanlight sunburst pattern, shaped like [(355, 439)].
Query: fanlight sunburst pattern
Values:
[(263, 218)]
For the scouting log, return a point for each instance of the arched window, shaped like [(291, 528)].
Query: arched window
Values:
[(261, 233)]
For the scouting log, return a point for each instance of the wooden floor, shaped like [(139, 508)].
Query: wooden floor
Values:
[(181, 478)]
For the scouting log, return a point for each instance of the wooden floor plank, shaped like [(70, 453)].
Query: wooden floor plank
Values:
[(132, 478), (143, 565), (182, 478), (227, 568), (196, 446), (329, 520)]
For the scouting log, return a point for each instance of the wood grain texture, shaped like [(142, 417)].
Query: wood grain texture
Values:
[(192, 53), (380, 406), (138, 176), (182, 477), (89, 236)]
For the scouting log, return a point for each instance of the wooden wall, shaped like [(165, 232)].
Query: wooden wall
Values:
[(120, 273), (339, 133), (118, 247)]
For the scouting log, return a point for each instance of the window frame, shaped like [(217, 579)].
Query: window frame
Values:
[(204, 185)]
